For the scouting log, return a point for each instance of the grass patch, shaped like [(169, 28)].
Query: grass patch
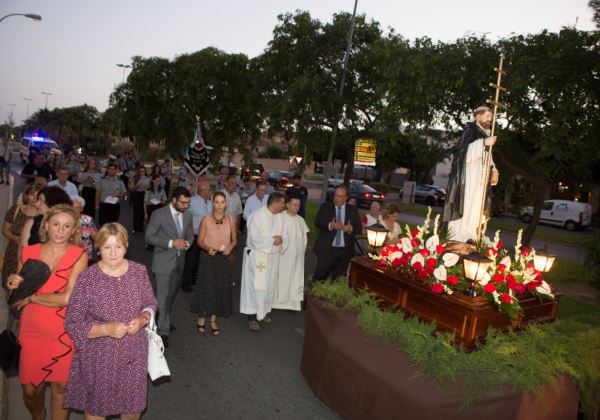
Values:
[(541, 232), (564, 272), (315, 177)]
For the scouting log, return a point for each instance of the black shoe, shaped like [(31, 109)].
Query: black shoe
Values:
[(172, 328), (165, 340), (187, 288)]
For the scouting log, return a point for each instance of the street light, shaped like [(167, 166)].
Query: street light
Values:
[(47, 94), (27, 15), (376, 235), (124, 66), (27, 120)]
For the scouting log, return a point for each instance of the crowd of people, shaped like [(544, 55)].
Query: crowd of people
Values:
[(82, 331)]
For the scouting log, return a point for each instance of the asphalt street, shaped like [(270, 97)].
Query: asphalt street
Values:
[(237, 375)]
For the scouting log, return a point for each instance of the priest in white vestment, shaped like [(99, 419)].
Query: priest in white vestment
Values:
[(266, 240), (290, 289), (467, 179)]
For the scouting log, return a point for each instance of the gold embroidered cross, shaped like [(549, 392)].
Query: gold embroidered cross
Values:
[(260, 267)]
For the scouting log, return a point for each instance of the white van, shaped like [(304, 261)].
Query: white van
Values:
[(569, 214), (40, 143)]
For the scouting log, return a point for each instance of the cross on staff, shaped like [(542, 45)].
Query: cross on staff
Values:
[(488, 159)]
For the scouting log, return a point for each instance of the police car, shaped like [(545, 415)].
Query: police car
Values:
[(29, 144)]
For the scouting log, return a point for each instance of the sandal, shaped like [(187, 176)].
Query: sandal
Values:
[(214, 328), (201, 328)]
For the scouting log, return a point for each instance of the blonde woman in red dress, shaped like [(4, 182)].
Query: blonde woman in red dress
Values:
[(46, 348)]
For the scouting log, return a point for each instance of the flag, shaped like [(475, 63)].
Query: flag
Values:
[(197, 156)]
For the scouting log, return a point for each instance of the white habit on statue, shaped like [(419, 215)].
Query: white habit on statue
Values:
[(260, 268), (465, 228), (290, 289)]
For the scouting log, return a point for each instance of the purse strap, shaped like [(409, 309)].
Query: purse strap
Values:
[(17, 210)]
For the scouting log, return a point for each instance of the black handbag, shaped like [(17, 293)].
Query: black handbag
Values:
[(10, 350), (35, 273)]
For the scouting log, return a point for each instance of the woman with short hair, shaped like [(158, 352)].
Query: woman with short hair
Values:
[(88, 227), (110, 306)]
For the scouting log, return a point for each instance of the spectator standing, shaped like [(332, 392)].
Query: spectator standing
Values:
[(246, 189), (63, 182), (338, 225), (232, 198), (37, 167), (4, 161), (88, 228), (373, 216), (46, 198), (138, 185), (256, 201), (200, 206), (264, 177), (166, 171), (110, 190), (299, 191), (111, 304), (217, 239), (15, 219), (391, 213), (154, 197), (88, 179), (46, 348), (170, 232)]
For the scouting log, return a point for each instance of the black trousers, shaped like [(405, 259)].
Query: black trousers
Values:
[(89, 195), (108, 213), (137, 201), (190, 269), (334, 262)]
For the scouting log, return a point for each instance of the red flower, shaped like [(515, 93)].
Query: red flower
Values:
[(520, 288), (500, 245), (385, 252), (408, 256), (383, 262), (431, 262), (422, 274), (429, 270), (491, 252), (490, 288), (501, 268), (394, 248), (530, 265), (511, 282), (397, 262), (498, 278), (424, 252), (437, 287), (415, 232), (506, 298), (531, 285), (452, 279), (414, 243), (524, 251), (440, 249), (418, 266)]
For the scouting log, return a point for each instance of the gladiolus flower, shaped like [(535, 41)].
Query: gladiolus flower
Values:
[(506, 298), (437, 288), (452, 279), (498, 278), (489, 288)]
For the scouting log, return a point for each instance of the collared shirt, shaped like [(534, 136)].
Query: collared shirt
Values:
[(234, 204), (180, 218), (341, 219), (253, 203), (150, 195), (110, 186), (69, 187), (199, 207)]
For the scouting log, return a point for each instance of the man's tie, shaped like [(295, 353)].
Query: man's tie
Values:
[(339, 233), (178, 224)]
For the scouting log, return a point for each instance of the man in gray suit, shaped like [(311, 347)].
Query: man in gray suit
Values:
[(171, 233)]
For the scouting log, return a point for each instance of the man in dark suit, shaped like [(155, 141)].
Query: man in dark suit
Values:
[(338, 225), (171, 233)]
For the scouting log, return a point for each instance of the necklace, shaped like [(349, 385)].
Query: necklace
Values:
[(218, 221)]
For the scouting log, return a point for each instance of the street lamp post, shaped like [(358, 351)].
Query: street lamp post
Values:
[(124, 66), (47, 94), (27, 120), (31, 16)]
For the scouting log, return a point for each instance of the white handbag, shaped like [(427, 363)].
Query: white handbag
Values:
[(157, 364)]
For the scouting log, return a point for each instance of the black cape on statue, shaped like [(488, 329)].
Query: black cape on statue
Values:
[(454, 207)]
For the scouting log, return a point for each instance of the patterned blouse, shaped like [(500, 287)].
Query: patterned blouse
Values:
[(88, 231)]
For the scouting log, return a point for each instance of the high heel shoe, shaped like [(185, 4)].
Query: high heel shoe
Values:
[(201, 328), (214, 328)]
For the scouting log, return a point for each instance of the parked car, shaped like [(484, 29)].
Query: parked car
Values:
[(253, 170), (280, 180), (569, 214), (363, 193), (338, 179), (430, 194), (29, 144)]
